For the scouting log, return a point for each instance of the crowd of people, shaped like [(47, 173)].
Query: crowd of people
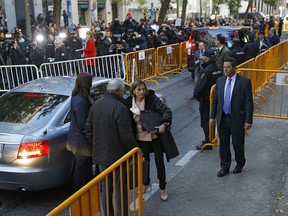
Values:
[(52, 43)]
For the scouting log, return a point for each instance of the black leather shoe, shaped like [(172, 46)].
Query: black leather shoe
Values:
[(222, 173), (199, 147), (237, 169)]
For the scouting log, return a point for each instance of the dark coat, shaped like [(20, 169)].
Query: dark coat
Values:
[(77, 140), (251, 49), (61, 54), (238, 53), (241, 102), (221, 56), (109, 128), (208, 77), (154, 104), (103, 47), (274, 39)]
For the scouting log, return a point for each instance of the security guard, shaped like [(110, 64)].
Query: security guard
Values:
[(208, 76)]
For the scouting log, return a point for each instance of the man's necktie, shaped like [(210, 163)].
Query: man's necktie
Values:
[(226, 107)]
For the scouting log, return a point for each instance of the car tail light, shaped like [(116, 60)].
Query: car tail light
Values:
[(33, 149), (235, 35)]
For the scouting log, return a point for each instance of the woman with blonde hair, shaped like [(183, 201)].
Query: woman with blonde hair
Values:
[(90, 52)]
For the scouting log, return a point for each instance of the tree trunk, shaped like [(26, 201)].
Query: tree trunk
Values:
[(163, 11), (184, 8), (248, 7), (57, 12)]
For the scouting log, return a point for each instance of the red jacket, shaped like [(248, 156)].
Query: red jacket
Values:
[(89, 52)]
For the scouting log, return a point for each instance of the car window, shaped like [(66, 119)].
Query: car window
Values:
[(29, 108), (97, 91)]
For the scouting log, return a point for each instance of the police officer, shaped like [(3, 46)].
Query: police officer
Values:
[(237, 52), (208, 76)]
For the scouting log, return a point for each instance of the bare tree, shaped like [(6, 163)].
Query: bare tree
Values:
[(57, 12), (163, 11)]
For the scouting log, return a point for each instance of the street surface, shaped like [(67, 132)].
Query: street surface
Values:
[(192, 184)]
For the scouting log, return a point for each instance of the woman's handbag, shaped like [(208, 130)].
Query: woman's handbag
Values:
[(149, 120)]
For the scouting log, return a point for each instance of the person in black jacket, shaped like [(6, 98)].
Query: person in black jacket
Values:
[(237, 52), (77, 141), (103, 45), (61, 53), (129, 23), (109, 128), (251, 47), (208, 77), (144, 100), (116, 27)]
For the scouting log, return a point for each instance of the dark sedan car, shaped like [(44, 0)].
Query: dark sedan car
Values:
[(208, 35), (34, 124)]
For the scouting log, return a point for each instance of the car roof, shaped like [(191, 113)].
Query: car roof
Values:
[(62, 85)]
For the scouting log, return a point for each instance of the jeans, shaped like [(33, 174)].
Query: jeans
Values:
[(82, 171), (119, 195)]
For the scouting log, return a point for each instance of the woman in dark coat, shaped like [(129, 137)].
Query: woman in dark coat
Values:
[(77, 140), (144, 100)]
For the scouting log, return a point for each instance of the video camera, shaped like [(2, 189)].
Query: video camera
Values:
[(116, 38)]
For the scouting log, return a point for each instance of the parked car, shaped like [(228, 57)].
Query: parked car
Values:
[(34, 123), (252, 15), (208, 35)]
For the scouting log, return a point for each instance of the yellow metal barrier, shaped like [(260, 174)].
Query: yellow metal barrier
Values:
[(213, 136), (167, 60), (270, 95), (141, 65), (87, 200), (183, 55)]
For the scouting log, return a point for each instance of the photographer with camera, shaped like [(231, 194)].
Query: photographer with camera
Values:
[(50, 48), (74, 46), (137, 42), (103, 44), (16, 54), (116, 27), (34, 54), (129, 23)]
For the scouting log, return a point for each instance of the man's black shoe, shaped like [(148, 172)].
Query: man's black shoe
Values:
[(222, 173), (199, 147), (237, 169)]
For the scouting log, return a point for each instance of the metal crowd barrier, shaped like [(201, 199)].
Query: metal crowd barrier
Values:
[(87, 200), (167, 60), (213, 135), (183, 54), (14, 75), (141, 65), (270, 97), (110, 66)]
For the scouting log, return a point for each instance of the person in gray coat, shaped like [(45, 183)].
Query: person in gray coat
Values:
[(222, 52), (77, 141), (109, 128)]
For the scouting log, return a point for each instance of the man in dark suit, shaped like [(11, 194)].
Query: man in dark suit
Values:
[(232, 107), (273, 37), (222, 51), (198, 61)]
